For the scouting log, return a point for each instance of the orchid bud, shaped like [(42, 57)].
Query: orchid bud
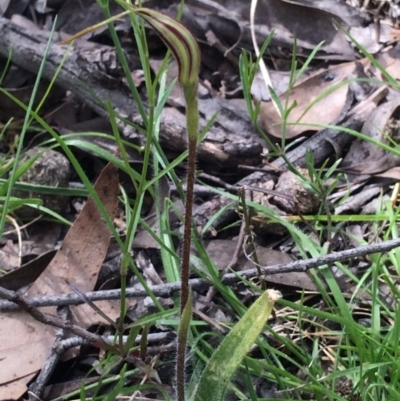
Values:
[(179, 40)]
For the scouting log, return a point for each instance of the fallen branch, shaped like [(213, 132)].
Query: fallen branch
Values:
[(166, 290), (223, 146)]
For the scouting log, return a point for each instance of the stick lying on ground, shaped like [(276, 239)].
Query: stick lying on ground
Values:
[(222, 148), (167, 290)]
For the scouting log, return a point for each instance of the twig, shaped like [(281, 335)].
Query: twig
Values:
[(45, 318), (65, 345), (249, 237), (218, 181), (36, 389), (167, 290)]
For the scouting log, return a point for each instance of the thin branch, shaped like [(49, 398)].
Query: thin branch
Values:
[(167, 290), (46, 318), (36, 389)]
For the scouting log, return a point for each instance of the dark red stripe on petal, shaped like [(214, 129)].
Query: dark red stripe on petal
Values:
[(181, 33)]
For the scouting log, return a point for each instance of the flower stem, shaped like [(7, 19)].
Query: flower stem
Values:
[(192, 124)]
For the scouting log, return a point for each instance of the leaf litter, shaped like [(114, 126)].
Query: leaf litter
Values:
[(78, 261)]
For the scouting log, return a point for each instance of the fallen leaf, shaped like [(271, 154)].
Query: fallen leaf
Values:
[(9, 258), (308, 24), (393, 173), (26, 343), (365, 157), (222, 251), (327, 110), (27, 273), (390, 60)]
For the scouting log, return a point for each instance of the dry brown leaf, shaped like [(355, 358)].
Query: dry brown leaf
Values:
[(27, 273), (392, 173), (26, 343), (390, 60), (339, 9), (308, 24), (367, 158), (373, 36), (9, 257), (326, 111), (8, 391), (222, 251)]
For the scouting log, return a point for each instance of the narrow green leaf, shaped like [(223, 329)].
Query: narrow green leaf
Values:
[(184, 324)]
